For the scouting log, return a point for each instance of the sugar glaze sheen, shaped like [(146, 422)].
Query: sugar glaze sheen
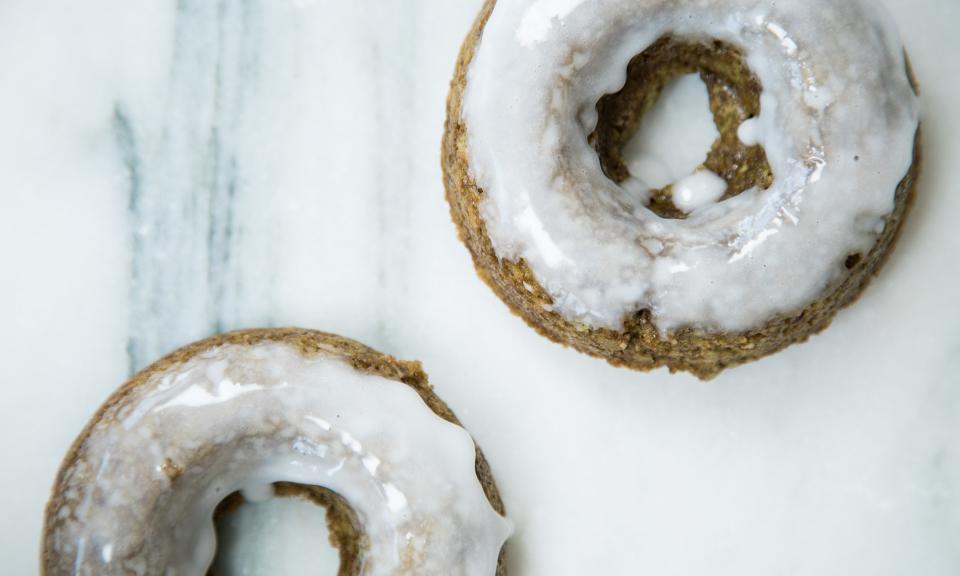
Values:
[(837, 121), (137, 494)]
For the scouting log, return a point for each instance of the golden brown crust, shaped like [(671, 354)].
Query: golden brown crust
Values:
[(639, 345), (345, 532)]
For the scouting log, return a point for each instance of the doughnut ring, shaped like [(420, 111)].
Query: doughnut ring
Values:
[(795, 209), (311, 414)]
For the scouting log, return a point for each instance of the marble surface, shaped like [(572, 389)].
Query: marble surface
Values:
[(174, 169)]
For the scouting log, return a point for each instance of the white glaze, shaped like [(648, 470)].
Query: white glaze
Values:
[(834, 90), (242, 417), (698, 190)]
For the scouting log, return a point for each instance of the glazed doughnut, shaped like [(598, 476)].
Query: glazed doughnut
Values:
[(315, 414), (794, 210)]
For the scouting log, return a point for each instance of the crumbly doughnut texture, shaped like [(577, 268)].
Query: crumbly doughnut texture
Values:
[(346, 531), (734, 97)]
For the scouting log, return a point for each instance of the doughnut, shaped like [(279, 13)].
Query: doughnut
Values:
[(795, 208), (284, 411)]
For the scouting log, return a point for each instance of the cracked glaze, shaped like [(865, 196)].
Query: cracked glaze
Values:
[(838, 118), (140, 496)]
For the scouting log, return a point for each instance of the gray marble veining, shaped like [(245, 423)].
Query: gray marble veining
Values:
[(194, 165), (187, 175)]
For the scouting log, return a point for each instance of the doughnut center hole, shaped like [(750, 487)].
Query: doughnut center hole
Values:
[(301, 529), (654, 138), (674, 136)]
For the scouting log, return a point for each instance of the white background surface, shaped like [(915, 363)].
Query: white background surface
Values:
[(168, 170)]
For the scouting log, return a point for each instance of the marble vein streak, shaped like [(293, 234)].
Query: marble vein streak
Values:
[(184, 180), (231, 146)]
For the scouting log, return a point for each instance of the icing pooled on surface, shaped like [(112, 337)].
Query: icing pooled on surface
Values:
[(139, 498), (697, 190), (837, 122)]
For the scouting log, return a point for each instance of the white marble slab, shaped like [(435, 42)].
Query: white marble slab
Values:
[(172, 169)]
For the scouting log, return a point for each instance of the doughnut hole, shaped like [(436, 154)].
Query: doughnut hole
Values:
[(734, 95), (342, 526)]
